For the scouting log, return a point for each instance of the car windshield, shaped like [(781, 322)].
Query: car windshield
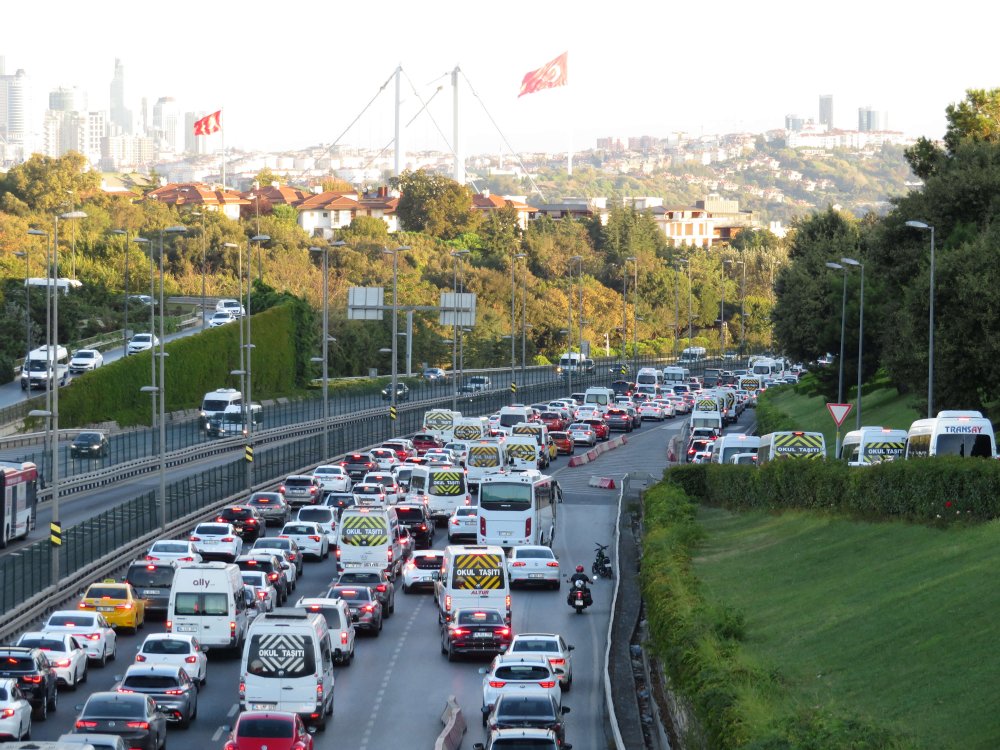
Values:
[(167, 646), (514, 672), (283, 656), (265, 727), (17, 664), (74, 620), (89, 437), (350, 594), (535, 645), (524, 707), (282, 544), (140, 338), (355, 577), (298, 481), (328, 470), (298, 529), (315, 514), (490, 617), (100, 707), (169, 547), (85, 354), (149, 681), (533, 554), (428, 562), (150, 576), (46, 644), (410, 514), (105, 592)]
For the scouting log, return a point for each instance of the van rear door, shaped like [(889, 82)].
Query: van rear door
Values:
[(281, 672)]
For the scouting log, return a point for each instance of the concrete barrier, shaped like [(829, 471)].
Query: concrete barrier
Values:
[(604, 483), (454, 726), (593, 453)]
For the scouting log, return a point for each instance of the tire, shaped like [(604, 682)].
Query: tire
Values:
[(27, 731), (53, 704), (568, 686), (114, 653), (484, 719), (103, 661), (86, 671), (444, 649), (406, 589), (451, 654), (43, 711)]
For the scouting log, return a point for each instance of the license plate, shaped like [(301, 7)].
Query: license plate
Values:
[(482, 635), (506, 533), (534, 575), (186, 628), (105, 609), (210, 541), (262, 706), (150, 592)]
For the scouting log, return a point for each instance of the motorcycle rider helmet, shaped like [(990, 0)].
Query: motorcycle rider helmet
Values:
[(579, 568)]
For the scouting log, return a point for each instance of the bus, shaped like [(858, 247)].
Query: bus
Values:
[(18, 499), (872, 445), (952, 433), (517, 508), (791, 445)]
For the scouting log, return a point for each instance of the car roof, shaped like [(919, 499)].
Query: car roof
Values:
[(166, 669)]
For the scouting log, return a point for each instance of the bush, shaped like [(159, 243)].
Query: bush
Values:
[(6, 368)]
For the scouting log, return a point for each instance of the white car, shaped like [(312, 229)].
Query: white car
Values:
[(333, 478), (552, 647), (221, 319), (702, 457), (514, 673), (385, 459), (339, 622), (231, 306), (582, 433), (440, 457), (325, 517), (369, 494), (263, 591), (459, 449), (217, 540), (393, 494), (90, 629), (309, 536), (66, 654), (669, 410), (589, 411), (422, 569), (15, 711), (531, 564), (560, 408), (176, 650), (182, 552), (286, 549), (463, 523), (651, 410), (141, 342), (85, 360)]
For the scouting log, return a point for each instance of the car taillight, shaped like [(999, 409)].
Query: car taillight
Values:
[(260, 595), (507, 602), (62, 663), (6, 713), (314, 538), (447, 603), (388, 554), (228, 539), (34, 679), (527, 528), (272, 576), (504, 632), (173, 692), (291, 556), (194, 539), (482, 526), (281, 489), (518, 565), (232, 628), (150, 557), (552, 564), (338, 553), (458, 631), (243, 688), (124, 606), (343, 637), (140, 658), (380, 587), (186, 559), (369, 608), (137, 724), (170, 625), (86, 724), (282, 536), (312, 490), (190, 659), (557, 662), (547, 684), (454, 522), (497, 683)]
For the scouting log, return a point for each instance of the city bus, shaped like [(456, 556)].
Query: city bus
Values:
[(18, 499), (517, 508)]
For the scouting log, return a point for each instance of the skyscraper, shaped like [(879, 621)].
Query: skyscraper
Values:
[(67, 100), (870, 120), (826, 111), (168, 123), (120, 115), (13, 107)]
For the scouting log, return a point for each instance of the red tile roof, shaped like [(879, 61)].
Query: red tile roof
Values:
[(195, 193), (331, 200)]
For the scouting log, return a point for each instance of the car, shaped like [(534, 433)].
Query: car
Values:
[(402, 392), (439, 457), (272, 507), (477, 383), (528, 710), (265, 595), (153, 581), (91, 630), (312, 539), (563, 442), (532, 564), (141, 342), (359, 464), (65, 653), (415, 518), (424, 442), (169, 685), (246, 521), (175, 649), (332, 478), (286, 548), (385, 460), (221, 319), (230, 306), (339, 623), (393, 494), (422, 570), (270, 563), (618, 419), (402, 446), (339, 501), (275, 730), (96, 741), (142, 299), (669, 410), (15, 711), (435, 375), (217, 541), (463, 523), (132, 716), (599, 426), (702, 457), (535, 738), (696, 446), (651, 410), (377, 580), (85, 360), (366, 610), (633, 413), (459, 450), (323, 516), (623, 387), (118, 602), (583, 433), (369, 493), (553, 647), (514, 673), (553, 420), (34, 675), (180, 551), (403, 473), (589, 411), (90, 444), (301, 489), (475, 631)]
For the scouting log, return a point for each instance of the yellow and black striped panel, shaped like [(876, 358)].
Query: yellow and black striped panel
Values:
[(478, 571), (447, 483), (750, 384), (525, 429), (707, 404), (363, 531), (468, 432), (438, 420), (522, 451), (483, 456), (883, 450), (804, 445)]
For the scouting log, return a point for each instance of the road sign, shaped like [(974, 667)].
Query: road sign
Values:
[(839, 412), (248, 454), (513, 387), (55, 534), (392, 412)]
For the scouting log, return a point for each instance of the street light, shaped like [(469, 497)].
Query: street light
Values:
[(456, 336), (259, 239), (840, 361), (48, 335), (513, 318), (395, 314), (204, 260), (635, 286), (687, 261), (743, 314), (27, 299), (124, 233), (861, 330), (722, 309), (155, 391), (930, 334), (326, 341), (578, 259), (239, 276)]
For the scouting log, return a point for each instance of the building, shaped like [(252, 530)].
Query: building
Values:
[(121, 117), (14, 105), (872, 121), (795, 122), (168, 123), (486, 203), (380, 204), (64, 131), (68, 100), (826, 111), (122, 152), (575, 208), (200, 195), (321, 214), (688, 226)]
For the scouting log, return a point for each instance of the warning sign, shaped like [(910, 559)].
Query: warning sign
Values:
[(839, 412)]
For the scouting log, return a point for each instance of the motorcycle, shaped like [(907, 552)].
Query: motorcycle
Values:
[(579, 596), (602, 563)]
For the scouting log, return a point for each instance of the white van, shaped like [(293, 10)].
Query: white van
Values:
[(440, 423), (287, 665), (440, 489), (727, 446), (648, 376), (522, 453), (952, 433), (512, 415), (540, 433), (369, 538), (206, 601), (470, 428), (484, 457), (215, 402), (472, 576), (872, 445), (38, 370), (674, 375), (603, 397)]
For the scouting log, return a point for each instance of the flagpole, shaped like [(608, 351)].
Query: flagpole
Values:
[(223, 131)]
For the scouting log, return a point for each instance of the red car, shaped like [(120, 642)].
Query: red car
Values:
[(274, 730), (601, 428), (424, 443), (564, 443), (402, 448), (553, 421)]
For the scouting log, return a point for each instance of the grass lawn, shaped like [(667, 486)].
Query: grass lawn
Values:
[(890, 621)]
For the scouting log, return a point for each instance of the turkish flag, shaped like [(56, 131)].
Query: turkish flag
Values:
[(548, 76), (209, 124)]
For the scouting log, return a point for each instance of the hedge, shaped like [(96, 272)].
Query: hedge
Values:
[(735, 702)]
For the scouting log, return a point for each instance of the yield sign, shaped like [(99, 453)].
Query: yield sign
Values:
[(839, 412)]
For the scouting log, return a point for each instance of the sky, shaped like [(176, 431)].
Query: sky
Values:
[(289, 77)]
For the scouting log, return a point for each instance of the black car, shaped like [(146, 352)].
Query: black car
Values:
[(618, 419), (249, 524), (132, 716), (377, 580), (402, 392), (89, 445), (414, 517), (475, 631), (514, 711), (35, 676), (272, 507), (269, 564), (358, 464), (366, 609), (623, 387), (152, 581), (340, 501), (170, 686)]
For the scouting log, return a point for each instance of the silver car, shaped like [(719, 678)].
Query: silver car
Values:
[(301, 489)]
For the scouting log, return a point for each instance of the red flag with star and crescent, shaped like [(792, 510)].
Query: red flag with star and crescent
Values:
[(209, 124), (549, 76)]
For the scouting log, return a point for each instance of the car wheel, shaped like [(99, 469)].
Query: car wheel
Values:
[(83, 677), (484, 718), (27, 730), (406, 589), (451, 654), (54, 701), (43, 710), (103, 661)]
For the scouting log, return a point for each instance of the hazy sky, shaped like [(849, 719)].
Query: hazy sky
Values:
[(297, 75)]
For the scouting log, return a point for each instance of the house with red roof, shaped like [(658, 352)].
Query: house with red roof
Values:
[(199, 195)]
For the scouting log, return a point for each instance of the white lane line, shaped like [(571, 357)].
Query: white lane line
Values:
[(218, 734), (233, 710)]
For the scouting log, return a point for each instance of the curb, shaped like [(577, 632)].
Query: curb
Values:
[(593, 453), (605, 483), (454, 726)]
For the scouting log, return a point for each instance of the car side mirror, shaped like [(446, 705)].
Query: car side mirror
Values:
[(478, 746), (118, 678)]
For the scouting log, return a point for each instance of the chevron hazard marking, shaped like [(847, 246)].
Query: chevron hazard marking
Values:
[(278, 655)]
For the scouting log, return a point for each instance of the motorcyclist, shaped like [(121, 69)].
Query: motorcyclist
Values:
[(579, 575)]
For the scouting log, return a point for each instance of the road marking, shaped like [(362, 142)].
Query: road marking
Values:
[(233, 710), (218, 734)]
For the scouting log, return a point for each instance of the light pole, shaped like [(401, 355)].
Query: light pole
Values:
[(457, 255), (861, 330), (239, 275), (578, 259), (513, 319), (204, 259), (326, 342), (124, 233), (722, 310), (524, 322), (259, 239), (152, 328), (395, 316), (27, 302), (930, 333), (48, 335), (687, 261), (840, 360), (743, 314), (635, 290)]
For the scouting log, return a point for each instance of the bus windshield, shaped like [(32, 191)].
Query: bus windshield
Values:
[(498, 496)]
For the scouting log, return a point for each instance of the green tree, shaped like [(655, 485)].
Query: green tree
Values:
[(434, 204), (266, 177), (500, 236), (47, 185)]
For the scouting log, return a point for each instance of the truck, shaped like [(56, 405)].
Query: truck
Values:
[(693, 354)]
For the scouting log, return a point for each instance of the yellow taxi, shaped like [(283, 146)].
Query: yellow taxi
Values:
[(117, 602), (553, 449)]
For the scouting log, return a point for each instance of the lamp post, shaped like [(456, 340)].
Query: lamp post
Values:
[(124, 233), (326, 343), (152, 327), (722, 310), (687, 261), (635, 260), (861, 330), (395, 315), (743, 314), (840, 360), (239, 275), (204, 259), (930, 333), (524, 322), (578, 259), (48, 334), (513, 318), (259, 239), (27, 301), (457, 255)]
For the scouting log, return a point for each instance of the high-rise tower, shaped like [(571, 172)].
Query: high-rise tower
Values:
[(120, 115), (826, 111)]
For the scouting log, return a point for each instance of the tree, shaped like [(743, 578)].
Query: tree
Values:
[(46, 185), (266, 177), (434, 204), (500, 235)]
